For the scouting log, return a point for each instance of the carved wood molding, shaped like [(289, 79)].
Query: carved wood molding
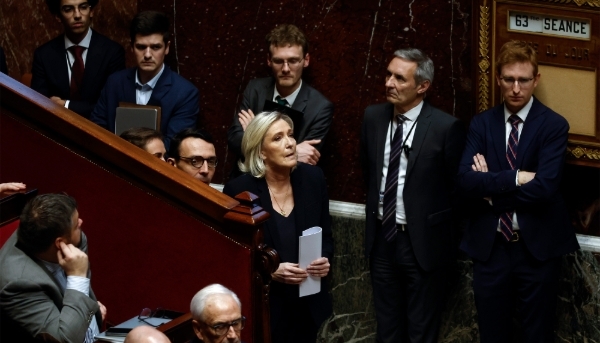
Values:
[(578, 152)]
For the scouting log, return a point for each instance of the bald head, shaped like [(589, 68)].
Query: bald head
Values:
[(146, 334)]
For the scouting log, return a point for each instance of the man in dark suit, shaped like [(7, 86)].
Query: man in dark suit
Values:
[(45, 292), (287, 57), (151, 82), (519, 225), (409, 153), (72, 68)]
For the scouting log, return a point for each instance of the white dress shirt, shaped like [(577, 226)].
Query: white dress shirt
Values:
[(290, 98), (143, 92), (412, 116)]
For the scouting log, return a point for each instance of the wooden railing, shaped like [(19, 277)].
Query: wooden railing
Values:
[(156, 235)]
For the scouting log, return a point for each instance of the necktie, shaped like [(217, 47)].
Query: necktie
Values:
[(281, 101), (76, 71), (390, 194), (511, 156)]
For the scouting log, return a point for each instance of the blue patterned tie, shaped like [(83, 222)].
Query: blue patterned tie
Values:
[(390, 195), (506, 222)]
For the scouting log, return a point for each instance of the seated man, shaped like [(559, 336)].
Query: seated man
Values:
[(147, 139), (189, 151), (151, 82), (45, 291), (287, 58), (217, 315), (146, 334), (72, 68)]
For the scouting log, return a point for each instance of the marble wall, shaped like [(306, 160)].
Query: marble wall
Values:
[(577, 315), (27, 24), (219, 46)]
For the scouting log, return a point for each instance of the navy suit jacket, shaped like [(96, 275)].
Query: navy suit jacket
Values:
[(51, 74), (318, 112), (311, 207), (430, 180), (541, 212), (177, 97)]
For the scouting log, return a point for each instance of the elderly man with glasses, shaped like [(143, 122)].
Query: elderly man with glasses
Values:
[(217, 315), (193, 151), (287, 57)]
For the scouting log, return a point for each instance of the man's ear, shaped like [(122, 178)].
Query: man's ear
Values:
[(306, 60), (197, 329), (423, 87), (269, 59), (167, 47), (171, 161), (59, 240)]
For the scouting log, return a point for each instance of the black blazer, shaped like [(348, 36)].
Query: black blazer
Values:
[(51, 72), (430, 179), (317, 109), (311, 206), (541, 212)]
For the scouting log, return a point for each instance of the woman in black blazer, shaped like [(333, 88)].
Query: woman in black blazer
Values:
[(295, 194)]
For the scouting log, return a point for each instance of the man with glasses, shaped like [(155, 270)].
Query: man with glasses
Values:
[(519, 226), (217, 315), (151, 82), (72, 68), (287, 57), (193, 151)]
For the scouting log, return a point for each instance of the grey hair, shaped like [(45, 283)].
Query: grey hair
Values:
[(199, 300), (425, 66), (252, 141)]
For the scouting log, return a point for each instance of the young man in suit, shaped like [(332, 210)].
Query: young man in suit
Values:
[(193, 151), (45, 290), (409, 153), (151, 82), (287, 57), (519, 226), (72, 68)]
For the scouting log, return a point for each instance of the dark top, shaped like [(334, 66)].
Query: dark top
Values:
[(287, 232)]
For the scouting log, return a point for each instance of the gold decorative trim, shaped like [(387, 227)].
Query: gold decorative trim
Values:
[(591, 3), (579, 152), (484, 63)]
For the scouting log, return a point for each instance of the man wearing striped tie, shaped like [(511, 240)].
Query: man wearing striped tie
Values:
[(409, 153), (45, 291), (519, 226)]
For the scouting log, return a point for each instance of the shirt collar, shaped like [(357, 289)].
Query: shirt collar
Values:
[(152, 82), (85, 42), (52, 267), (290, 98), (521, 114), (413, 113)]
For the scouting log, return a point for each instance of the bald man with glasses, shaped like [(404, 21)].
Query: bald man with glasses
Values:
[(217, 315)]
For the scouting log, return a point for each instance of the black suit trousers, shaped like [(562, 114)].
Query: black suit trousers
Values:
[(408, 300), (512, 273)]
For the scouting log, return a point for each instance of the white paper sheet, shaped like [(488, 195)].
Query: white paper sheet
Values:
[(310, 250)]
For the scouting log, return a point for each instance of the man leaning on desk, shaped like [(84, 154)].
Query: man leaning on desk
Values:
[(45, 292)]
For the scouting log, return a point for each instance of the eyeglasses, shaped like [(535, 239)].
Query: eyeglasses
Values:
[(510, 82), (222, 328), (198, 161), (69, 9), (148, 313), (292, 62)]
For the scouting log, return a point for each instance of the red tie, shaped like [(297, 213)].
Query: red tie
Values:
[(506, 223), (76, 71)]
